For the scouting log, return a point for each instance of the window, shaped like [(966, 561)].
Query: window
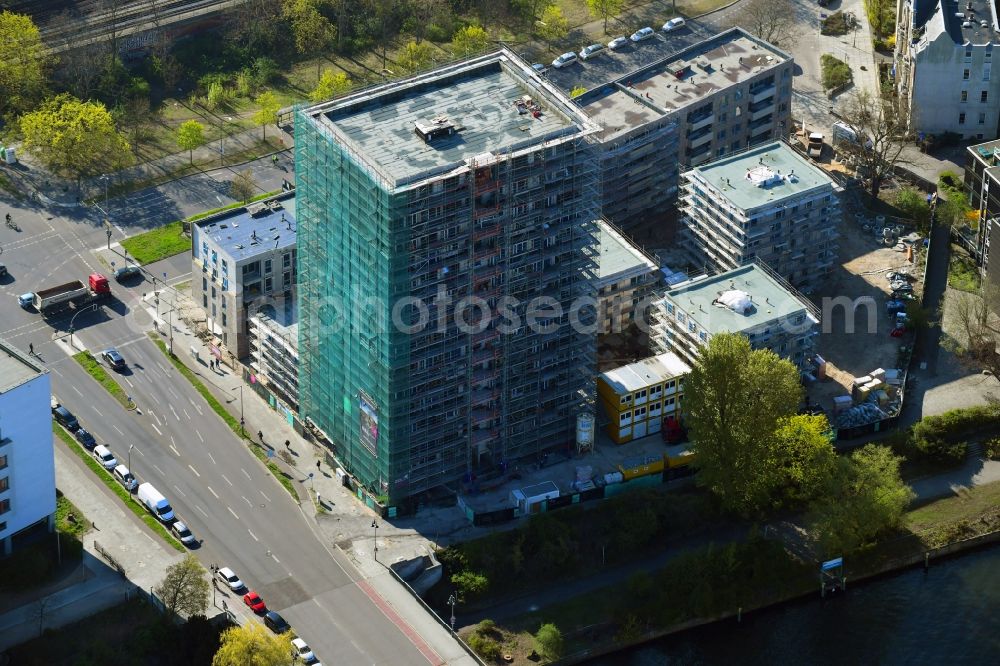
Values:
[(4, 506), (286, 280), (626, 399), (691, 327), (640, 412), (286, 260), (3, 462), (641, 395), (986, 71), (223, 318), (204, 284), (214, 310), (268, 283), (4, 483), (982, 118), (204, 300), (703, 337), (625, 416), (225, 267), (965, 75), (983, 96), (965, 96), (961, 119), (267, 266), (968, 54)]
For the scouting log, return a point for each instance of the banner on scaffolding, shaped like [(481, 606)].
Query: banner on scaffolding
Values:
[(369, 423)]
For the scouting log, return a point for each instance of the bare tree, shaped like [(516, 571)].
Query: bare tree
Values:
[(255, 23), (881, 128), (243, 186), (771, 20), (111, 9), (978, 326), (424, 13)]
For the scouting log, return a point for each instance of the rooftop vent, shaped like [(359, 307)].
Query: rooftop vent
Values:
[(434, 129)]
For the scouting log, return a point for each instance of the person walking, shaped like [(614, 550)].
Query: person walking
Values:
[(317, 465), (260, 433), (288, 444), (31, 349)]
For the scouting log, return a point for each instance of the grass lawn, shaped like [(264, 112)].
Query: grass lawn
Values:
[(97, 371), (229, 419), (962, 271), (78, 526), (975, 511), (160, 243), (115, 487)]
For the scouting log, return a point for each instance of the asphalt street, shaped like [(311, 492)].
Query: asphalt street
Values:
[(244, 518)]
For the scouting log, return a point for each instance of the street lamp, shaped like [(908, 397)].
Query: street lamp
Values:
[(170, 324), (451, 601), (375, 527), (73, 319), (215, 570), (130, 447), (240, 387)]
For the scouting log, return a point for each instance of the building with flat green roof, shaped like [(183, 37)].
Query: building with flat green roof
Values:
[(769, 203), (751, 300)]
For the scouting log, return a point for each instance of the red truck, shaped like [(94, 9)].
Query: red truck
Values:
[(72, 293)]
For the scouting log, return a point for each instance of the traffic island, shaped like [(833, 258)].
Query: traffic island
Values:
[(97, 371)]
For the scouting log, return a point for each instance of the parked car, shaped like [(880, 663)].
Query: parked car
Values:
[(642, 34), (25, 300), (565, 60), (589, 52), (253, 600), (617, 43), (227, 576), (275, 622), (114, 360), (182, 532), (303, 651), (66, 419), (85, 438), (124, 477), (126, 273), (104, 456), (673, 24), (539, 67)]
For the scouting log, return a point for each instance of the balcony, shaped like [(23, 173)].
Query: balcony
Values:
[(762, 94), (702, 122), (762, 111), (694, 142)]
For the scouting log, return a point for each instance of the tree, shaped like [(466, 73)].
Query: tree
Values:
[(267, 113), (243, 186), (912, 203), (801, 457), (470, 39), (190, 135), (75, 138), (416, 56), (734, 398), (978, 335), (330, 85), (862, 498), (185, 589), (771, 20), (253, 645), (549, 641), (529, 10), (23, 64), (881, 15), (553, 26), (469, 584), (423, 13), (882, 128), (605, 9), (312, 31)]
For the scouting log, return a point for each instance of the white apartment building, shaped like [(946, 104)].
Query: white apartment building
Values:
[(625, 277), (943, 63), (274, 350), (27, 467), (768, 203)]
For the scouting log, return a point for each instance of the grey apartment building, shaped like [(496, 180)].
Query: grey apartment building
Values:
[(982, 180), (243, 260), (768, 203), (471, 183), (719, 96)]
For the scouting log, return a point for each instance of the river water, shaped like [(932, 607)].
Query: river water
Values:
[(950, 615)]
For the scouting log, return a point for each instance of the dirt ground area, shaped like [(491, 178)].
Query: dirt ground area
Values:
[(865, 260)]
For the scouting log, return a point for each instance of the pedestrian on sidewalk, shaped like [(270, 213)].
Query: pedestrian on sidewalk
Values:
[(288, 444), (260, 433), (317, 465), (274, 158), (31, 349)]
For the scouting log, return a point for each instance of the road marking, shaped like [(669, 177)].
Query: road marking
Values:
[(249, 503), (173, 392), (98, 411), (202, 510), (139, 451), (179, 490), (156, 429), (212, 491), (186, 415), (163, 369), (195, 471), (77, 390), (227, 480), (118, 429), (233, 512), (175, 412), (158, 469), (195, 406), (253, 535), (274, 557), (131, 385), (245, 472), (265, 496), (212, 457), (203, 441), (174, 449), (400, 623)]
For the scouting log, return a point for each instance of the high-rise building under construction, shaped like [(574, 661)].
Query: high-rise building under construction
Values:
[(446, 237)]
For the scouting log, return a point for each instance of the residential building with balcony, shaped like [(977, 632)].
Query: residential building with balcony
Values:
[(442, 209), (943, 65), (768, 203), (274, 350), (751, 300), (27, 466), (638, 397), (243, 260), (627, 276), (982, 182), (719, 96)]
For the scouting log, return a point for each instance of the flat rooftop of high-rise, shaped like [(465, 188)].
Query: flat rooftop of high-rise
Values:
[(679, 81), (440, 120), (17, 367)]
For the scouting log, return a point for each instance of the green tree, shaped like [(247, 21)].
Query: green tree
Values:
[(862, 498), (577, 91), (802, 456), (549, 641), (553, 26), (470, 39), (330, 85), (23, 63), (243, 186), (267, 113), (312, 31), (912, 203), (734, 399), (469, 584), (184, 590), (530, 9), (605, 9), (416, 56), (190, 135), (253, 645), (72, 137)]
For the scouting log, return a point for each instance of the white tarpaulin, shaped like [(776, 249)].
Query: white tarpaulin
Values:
[(736, 300)]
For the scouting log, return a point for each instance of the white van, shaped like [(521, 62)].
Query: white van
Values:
[(105, 457), (155, 502)]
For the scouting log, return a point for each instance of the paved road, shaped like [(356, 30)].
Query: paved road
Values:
[(246, 519)]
